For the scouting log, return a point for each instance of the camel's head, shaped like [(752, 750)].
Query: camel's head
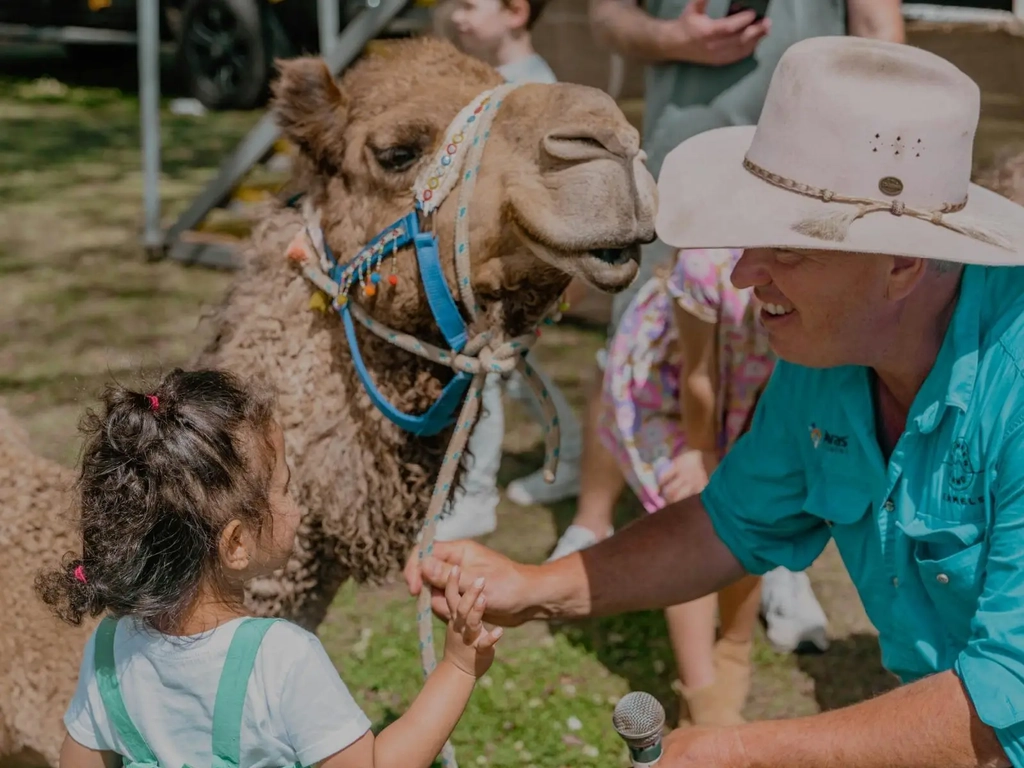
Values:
[(561, 190)]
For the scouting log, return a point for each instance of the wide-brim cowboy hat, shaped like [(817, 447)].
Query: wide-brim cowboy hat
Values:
[(862, 146)]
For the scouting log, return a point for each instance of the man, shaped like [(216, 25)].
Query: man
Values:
[(708, 70), (893, 423)]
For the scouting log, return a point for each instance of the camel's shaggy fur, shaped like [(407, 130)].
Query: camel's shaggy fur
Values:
[(560, 180)]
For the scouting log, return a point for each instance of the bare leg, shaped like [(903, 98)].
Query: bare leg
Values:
[(601, 484), (601, 480), (714, 678), (691, 628), (738, 607)]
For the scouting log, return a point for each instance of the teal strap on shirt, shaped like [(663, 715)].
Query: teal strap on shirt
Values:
[(234, 682), (110, 692)]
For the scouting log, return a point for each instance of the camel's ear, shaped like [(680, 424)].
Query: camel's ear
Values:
[(311, 109)]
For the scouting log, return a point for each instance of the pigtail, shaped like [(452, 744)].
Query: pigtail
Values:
[(69, 592)]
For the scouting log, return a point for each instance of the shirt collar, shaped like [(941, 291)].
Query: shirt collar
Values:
[(951, 380)]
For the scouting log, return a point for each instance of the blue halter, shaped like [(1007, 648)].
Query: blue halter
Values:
[(446, 313), (463, 143)]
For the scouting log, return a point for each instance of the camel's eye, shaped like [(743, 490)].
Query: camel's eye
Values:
[(399, 158)]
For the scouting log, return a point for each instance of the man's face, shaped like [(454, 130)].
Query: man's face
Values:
[(820, 308), (482, 26)]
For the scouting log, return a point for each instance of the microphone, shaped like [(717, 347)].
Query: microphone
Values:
[(639, 719)]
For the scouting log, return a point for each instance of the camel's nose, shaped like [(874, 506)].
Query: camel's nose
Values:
[(582, 144)]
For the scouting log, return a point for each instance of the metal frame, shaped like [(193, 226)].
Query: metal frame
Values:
[(338, 51)]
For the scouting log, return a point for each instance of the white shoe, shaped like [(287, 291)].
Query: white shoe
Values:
[(575, 538), (792, 612), (532, 489), (470, 517)]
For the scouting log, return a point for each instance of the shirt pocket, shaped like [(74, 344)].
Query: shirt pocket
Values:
[(844, 503), (948, 560)]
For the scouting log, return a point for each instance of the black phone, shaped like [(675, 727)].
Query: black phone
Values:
[(759, 7)]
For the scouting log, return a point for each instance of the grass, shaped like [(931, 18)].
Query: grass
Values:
[(79, 305)]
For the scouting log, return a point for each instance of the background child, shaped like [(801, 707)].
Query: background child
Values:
[(184, 498), (683, 374), (498, 32)]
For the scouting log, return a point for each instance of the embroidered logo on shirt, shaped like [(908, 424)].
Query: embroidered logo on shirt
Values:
[(961, 474), (815, 435), (833, 443)]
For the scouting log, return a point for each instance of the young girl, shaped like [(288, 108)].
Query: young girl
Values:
[(684, 371), (184, 498)]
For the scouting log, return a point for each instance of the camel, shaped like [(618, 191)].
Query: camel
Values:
[(561, 191)]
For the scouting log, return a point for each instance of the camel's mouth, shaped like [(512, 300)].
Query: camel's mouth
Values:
[(607, 269)]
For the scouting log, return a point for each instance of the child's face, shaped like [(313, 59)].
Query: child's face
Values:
[(284, 511), (483, 25)]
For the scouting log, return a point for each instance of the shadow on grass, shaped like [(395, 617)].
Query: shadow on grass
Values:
[(849, 672)]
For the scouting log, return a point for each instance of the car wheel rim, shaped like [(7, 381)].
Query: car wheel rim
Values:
[(216, 48)]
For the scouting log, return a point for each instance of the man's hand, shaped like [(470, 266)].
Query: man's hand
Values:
[(508, 587), (695, 37), (703, 747)]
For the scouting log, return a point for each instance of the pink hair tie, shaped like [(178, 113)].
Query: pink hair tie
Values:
[(80, 573), (154, 402)]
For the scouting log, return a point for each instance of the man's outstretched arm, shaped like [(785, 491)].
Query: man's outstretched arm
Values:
[(669, 557), (672, 556)]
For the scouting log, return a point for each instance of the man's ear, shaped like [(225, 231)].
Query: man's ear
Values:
[(311, 109), (904, 276)]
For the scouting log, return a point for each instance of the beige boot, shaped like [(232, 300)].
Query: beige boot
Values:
[(706, 706), (722, 702), (732, 672)]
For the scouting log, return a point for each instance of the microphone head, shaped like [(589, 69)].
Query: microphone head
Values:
[(639, 719)]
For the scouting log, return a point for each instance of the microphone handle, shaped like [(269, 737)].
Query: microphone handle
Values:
[(646, 757)]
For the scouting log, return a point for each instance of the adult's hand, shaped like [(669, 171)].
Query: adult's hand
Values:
[(510, 595), (696, 37)]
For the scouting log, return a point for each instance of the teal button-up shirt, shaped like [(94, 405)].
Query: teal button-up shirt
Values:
[(934, 539)]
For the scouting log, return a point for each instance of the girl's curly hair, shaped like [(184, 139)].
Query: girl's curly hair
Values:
[(162, 473)]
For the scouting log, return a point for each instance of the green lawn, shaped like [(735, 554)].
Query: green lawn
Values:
[(79, 304)]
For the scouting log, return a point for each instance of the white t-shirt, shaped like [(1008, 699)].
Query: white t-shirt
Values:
[(297, 709), (529, 69)]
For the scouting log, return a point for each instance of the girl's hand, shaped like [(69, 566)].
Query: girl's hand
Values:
[(468, 644), (687, 476)]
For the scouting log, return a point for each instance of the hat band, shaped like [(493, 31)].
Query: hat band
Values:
[(835, 226)]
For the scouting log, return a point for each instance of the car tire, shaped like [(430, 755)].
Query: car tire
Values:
[(225, 53)]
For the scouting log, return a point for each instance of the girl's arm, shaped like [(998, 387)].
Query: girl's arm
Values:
[(74, 755), (697, 390), (415, 739)]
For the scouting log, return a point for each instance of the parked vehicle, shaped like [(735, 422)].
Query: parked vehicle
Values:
[(224, 48)]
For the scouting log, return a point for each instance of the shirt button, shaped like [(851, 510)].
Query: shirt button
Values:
[(895, 581), (942, 578), (888, 506)]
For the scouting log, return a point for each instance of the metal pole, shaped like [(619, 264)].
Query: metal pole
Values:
[(149, 109), (328, 19), (366, 26)]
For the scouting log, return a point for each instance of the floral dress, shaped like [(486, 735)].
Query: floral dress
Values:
[(641, 421)]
